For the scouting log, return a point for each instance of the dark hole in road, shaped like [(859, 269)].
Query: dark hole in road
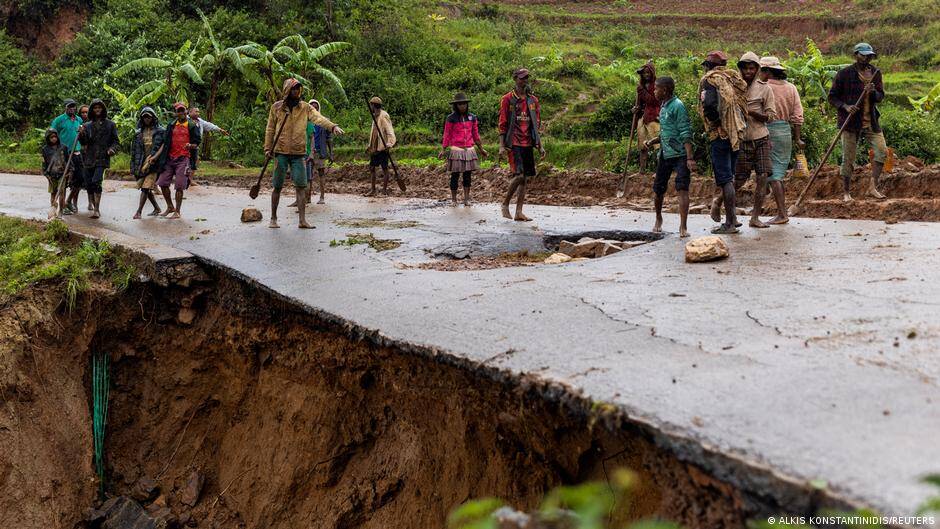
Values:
[(552, 241)]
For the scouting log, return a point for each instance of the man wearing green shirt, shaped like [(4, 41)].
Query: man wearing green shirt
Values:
[(67, 125), (675, 137)]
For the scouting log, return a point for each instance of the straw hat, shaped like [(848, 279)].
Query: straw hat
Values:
[(772, 62)]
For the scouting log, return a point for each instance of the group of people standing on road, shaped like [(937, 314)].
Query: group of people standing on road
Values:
[(752, 116), (82, 140)]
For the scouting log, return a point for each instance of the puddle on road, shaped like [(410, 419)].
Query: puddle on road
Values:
[(502, 251)]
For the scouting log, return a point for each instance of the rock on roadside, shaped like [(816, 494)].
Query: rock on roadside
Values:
[(704, 249), (251, 214), (557, 258)]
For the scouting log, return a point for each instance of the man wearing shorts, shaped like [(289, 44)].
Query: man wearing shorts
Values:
[(285, 140), (319, 150), (647, 107), (181, 139), (519, 123), (755, 148), (675, 155), (378, 149)]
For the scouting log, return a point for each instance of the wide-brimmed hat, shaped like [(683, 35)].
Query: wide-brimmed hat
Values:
[(716, 57), (460, 97), (864, 48), (376, 100), (772, 62), (520, 73), (749, 56)]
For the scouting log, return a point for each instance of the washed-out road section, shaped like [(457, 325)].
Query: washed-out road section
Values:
[(813, 353)]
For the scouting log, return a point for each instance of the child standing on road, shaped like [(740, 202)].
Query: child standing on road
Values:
[(54, 155), (461, 135), (675, 136)]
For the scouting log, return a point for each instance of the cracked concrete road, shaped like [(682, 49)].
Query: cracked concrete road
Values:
[(811, 353)]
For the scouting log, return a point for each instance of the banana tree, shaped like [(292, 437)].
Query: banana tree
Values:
[(177, 74), (303, 61), (811, 74), (261, 68), (929, 102), (214, 66)]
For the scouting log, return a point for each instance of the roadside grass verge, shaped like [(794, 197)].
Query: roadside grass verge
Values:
[(31, 253)]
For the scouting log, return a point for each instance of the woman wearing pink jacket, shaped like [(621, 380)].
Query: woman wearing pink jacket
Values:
[(461, 135)]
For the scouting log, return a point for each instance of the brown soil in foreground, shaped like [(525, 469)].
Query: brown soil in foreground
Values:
[(294, 422), (913, 190)]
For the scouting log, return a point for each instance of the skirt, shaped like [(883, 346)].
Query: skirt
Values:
[(781, 148), (462, 160)]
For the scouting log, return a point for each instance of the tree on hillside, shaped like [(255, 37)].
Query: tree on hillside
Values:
[(214, 66), (177, 75), (304, 61)]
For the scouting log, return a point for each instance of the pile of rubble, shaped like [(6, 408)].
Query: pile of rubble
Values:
[(588, 248)]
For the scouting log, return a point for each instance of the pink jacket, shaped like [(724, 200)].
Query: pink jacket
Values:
[(461, 131)]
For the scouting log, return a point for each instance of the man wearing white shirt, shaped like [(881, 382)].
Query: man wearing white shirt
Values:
[(204, 127)]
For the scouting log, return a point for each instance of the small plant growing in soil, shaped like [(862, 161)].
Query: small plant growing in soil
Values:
[(591, 505), (379, 245)]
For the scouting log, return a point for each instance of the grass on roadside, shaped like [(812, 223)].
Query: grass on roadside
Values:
[(31, 253)]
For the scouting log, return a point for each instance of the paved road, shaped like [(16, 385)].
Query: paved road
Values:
[(812, 352)]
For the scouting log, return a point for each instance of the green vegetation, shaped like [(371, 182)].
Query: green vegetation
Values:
[(232, 56), (592, 505), (31, 254), (379, 245), (377, 222)]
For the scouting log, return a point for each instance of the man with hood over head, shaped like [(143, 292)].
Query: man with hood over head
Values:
[(145, 151), (99, 140), (54, 155), (285, 140)]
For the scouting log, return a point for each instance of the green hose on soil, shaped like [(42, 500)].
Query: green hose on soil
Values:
[(99, 395)]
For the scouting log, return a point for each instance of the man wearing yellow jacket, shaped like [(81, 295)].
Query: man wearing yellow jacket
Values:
[(289, 117)]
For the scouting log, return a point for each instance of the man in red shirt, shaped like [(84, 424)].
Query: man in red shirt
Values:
[(181, 139), (519, 122)]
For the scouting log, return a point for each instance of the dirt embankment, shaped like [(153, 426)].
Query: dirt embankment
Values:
[(293, 422), (913, 190)]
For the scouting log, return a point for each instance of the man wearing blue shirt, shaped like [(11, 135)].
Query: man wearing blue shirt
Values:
[(675, 138), (67, 125)]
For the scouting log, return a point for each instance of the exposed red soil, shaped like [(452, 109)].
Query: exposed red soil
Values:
[(913, 190), (43, 36), (296, 422)]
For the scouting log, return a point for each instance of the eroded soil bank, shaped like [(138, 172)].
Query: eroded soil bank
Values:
[(295, 421)]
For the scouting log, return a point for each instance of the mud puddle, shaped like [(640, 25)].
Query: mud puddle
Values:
[(286, 418)]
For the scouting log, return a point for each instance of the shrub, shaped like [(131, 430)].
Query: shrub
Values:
[(14, 77), (912, 133)]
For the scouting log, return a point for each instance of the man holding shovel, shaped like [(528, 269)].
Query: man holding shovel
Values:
[(381, 141), (285, 140), (860, 120)]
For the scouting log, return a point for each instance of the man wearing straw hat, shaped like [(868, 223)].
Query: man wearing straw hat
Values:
[(381, 140), (784, 131)]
